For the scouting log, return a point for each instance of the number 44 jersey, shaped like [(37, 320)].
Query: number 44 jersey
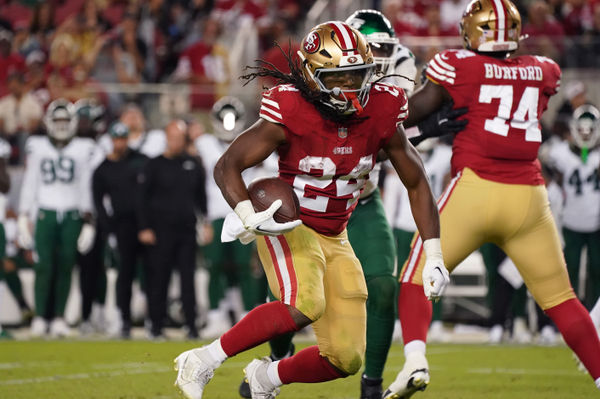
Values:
[(57, 178), (328, 163), (506, 98)]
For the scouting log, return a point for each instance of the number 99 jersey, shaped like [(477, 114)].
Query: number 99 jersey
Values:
[(57, 179), (506, 98), (328, 163)]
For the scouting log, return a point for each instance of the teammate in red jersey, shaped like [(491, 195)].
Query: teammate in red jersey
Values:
[(497, 194), (327, 123)]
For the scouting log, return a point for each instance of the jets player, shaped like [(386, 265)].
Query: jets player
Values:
[(577, 160), (228, 263), (56, 194), (497, 193), (327, 135)]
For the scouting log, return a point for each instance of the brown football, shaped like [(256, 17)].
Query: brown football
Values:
[(264, 191)]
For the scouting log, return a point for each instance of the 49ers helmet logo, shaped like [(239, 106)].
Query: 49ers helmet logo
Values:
[(312, 43)]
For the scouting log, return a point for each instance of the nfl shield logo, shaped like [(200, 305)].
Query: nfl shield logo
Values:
[(342, 132)]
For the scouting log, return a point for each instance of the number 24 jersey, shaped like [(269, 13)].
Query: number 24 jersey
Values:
[(506, 99), (328, 163)]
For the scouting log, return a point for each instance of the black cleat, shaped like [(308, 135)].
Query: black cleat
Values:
[(370, 388)]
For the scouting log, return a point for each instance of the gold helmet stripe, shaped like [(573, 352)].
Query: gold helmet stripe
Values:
[(500, 20), (347, 39)]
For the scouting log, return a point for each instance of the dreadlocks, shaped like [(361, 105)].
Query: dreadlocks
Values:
[(296, 79)]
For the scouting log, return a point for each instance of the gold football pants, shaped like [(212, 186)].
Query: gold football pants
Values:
[(322, 278), (515, 217)]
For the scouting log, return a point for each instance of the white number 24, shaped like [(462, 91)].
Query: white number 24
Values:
[(525, 116)]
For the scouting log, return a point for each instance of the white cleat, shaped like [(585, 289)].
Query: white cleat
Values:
[(260, 385), (413, 377), (521, 333), (39, 327), (194, 369), (496, 334), (59, 328)]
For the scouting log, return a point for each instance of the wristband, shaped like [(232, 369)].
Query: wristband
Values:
[(433, 249)]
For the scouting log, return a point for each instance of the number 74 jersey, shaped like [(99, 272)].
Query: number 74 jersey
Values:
[(55, 178), (506, 99)]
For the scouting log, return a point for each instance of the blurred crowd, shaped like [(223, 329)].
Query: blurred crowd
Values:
[(78, 49)]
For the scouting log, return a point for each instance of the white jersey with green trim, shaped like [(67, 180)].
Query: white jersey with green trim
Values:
[(57, 178), (395, 196), (581, 187)]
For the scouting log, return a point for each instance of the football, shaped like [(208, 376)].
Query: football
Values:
[(264, 191)]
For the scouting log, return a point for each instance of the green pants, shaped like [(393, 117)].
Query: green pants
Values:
[(373, 242), (574, 244), (56, 236), (230, 264)]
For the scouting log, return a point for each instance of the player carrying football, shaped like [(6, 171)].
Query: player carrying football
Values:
[(497, 194), (327, 124)]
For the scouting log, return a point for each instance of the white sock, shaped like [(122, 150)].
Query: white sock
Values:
[(273, 374), (598, 382), (595, 314), (415, 346), (216, 352)]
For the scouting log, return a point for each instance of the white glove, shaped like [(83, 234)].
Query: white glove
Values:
[(233, 229), (85, 242), (435, 275), (24, 237), (262, 223)]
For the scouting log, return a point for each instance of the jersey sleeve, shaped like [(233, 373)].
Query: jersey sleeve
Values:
[(29, 185), (552, 75), (270, 108), (441, 69), (4, 149)]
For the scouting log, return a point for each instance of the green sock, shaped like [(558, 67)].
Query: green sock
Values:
[(381, 316), (437, 311)]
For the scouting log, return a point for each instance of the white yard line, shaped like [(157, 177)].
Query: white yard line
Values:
[(85, 376)]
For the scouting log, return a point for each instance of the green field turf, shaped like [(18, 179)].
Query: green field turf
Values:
[(141, 369)]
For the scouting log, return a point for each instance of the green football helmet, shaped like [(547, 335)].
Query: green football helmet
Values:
[(380, 35), (585, 126)]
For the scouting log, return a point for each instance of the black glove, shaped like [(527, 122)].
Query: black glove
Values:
[(441, 123)]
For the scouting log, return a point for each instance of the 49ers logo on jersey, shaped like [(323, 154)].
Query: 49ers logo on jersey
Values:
[(312, 43)]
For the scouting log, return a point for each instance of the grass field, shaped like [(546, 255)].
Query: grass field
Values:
[(141, 369)]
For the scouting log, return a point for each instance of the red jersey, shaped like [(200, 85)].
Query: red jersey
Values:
[(506, 99), (327, 163)]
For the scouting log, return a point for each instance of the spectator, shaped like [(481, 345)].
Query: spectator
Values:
[(205, 65), (592, 39), (172, 193), (42, 26), (9, 62), (451, 11), (35, 77), (116, 179), (546, 35), (20, 113)]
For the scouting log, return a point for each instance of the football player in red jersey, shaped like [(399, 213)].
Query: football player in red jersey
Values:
[(497, 194), (327, 123)]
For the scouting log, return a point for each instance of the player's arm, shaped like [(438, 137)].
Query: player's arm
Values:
[(405, 159), (249, 149), (4, 177), (428, 99)]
